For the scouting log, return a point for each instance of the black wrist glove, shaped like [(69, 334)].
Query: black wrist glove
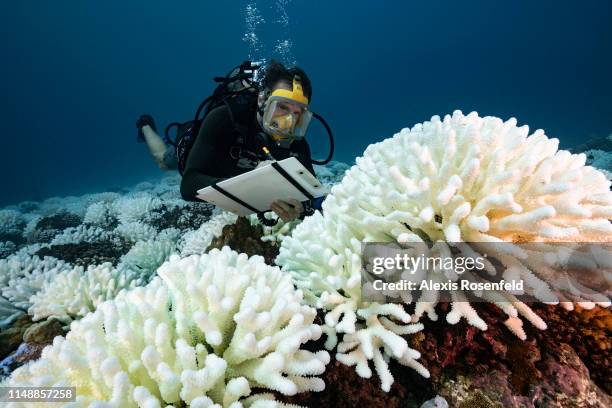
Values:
[(144, 120), (307, 210)]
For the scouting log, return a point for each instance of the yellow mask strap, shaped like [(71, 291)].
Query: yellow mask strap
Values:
[(296, 94)]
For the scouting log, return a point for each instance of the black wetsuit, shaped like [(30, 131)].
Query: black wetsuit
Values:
[(215, 154)]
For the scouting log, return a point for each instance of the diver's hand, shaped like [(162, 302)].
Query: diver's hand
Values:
[(287, 210)]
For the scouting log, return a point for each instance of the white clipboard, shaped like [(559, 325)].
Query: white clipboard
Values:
[(255, 190)]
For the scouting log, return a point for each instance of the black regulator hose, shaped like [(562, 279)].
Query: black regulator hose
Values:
[(167, 138), (331, 140)]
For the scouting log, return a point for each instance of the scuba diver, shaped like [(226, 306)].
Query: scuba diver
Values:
[(256, 115)]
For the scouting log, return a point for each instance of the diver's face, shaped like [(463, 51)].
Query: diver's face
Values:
[(284, 108)]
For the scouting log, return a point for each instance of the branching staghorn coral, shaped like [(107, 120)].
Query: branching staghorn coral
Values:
[(324, 259), (76, 292), (460, 179), (205, 331), (21, 276)]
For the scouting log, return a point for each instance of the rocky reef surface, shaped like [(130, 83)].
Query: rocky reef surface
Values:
[(81, 278)]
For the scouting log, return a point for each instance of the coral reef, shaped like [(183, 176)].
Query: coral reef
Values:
[(214, 326), (164, 344), (467, 363), (446, 181), (35, 338), (245, 237), (75, 293), (595, 143), (196, 242), (21, 276), (146, 256), (331, 173), (87, 231), (82, 233), (12, 225), (7, 248), (565, 382), (183, 215), (11, 337), (600, 159), (598, 153), (59, 221), (101, 214), (588, 332), (87, 253)]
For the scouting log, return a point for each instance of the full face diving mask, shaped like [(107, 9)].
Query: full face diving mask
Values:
[(286, 115)]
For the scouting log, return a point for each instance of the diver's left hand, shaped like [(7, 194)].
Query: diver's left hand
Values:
[(287, 210)]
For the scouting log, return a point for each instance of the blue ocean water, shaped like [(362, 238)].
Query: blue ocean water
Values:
[(75, 75)]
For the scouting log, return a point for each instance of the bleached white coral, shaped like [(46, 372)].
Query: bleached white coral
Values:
[(99, 214), (74, 204), (78, 291), (135, 207), (205, 331), (146, 256), (463, 178), (169, 234), (82, 233), (10, 220), (196, 242), (53, 205), (168, 187), (325, 261), (143, 186), (79, 205), (136, 231), (21, 276), (31, 224)]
